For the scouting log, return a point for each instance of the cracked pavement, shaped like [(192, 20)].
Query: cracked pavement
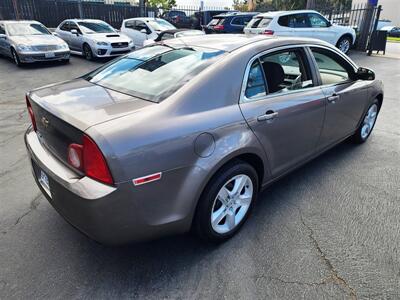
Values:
[(330, 230)]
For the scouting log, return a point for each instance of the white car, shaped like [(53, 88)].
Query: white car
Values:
[(93, 38), (141, 29), (173, 34), (302, 23)]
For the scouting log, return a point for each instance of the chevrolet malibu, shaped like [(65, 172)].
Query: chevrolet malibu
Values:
[(183, 135)]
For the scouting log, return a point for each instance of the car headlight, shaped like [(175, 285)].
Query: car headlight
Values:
[(102, 43), (24, 48), (63, 46)]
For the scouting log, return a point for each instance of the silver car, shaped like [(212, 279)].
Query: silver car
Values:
[(30, 41), (185, 134), (93, 38)]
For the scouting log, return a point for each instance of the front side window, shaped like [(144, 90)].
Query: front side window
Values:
[(332, 68), (2, 29), (15, 29), (298, 21), (65, 26), (279, 72), (317, 21), (95, 27), (156, 72)]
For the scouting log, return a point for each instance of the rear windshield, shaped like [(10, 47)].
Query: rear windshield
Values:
[(216, 21), (259, 22), (154, 73)]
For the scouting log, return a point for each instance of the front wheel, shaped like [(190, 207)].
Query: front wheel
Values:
[(367, 124), (344, 44), (226, 202), (16, 59), (87, 52)]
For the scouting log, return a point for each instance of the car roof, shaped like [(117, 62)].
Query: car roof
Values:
[(142, 19), (87, 20), (231, 42), (233, 14), (286, 12)]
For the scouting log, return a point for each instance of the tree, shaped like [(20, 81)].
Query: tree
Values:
[(240, 5), (162, 4)]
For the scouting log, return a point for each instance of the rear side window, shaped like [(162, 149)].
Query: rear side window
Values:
[(298, 21), (332, 68), (237, 21), (154, 73), (255, 83)]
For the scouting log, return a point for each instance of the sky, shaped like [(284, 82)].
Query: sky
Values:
[(221, 3)]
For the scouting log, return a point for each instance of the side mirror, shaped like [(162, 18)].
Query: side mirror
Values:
[(74, 31), (3, 36), (365, 74)]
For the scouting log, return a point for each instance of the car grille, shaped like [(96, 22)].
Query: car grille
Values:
[(45, 47), (119, 45)]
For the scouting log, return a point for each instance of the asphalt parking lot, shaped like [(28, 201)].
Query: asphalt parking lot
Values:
[(329, 230)]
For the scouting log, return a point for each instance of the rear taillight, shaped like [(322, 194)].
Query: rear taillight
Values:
[(219, 27), (268, 32), (89, 159), (31, 114)]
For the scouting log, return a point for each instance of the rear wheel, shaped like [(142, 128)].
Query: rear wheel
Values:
[(15, 56), (226, 202), (87, 52), (344, 44), (368, 123)]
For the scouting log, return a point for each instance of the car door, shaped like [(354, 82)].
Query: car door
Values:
[(345, 96), (64, 32), (300, 25), (284, 106), (76, 40), (321, 28)]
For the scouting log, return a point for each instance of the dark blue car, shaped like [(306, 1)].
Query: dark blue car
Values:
[(232, 22)]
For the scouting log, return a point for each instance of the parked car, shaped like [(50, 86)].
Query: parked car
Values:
[(178, 18), (141, 29), (30, 41), (93, 38), (304, 23), (172, 34), (232, 22), (185, 134), (202, 18), (392, 31)]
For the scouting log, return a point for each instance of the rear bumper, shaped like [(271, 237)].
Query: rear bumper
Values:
[(41, 56), (109, 215)]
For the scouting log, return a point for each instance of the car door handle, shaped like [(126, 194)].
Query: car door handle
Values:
[(333, 98), (269, 115)]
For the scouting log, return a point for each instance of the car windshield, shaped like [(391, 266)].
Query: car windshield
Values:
[(160, 25), (26, 29), (95, 27), (154, 73)]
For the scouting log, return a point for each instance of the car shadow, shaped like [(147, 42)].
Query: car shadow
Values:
[(142, 262)]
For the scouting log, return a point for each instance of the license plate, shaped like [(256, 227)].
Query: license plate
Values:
[(44, 182), (49, 55)]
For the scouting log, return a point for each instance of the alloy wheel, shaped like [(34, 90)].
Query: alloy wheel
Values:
[(231, 204), (369, 121), (344, 45)]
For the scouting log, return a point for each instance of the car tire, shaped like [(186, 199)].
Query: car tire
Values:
[(367, 124), (87, 52), (344, 44), (15, 57), (218, 218)]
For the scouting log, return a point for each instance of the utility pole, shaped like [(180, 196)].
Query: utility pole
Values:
[(16, 11)]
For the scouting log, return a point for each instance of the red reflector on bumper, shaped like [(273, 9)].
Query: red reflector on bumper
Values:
[(147, 179)]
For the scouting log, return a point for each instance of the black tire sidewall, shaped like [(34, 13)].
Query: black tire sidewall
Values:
[(18, 62), (202, 219), (86, 46)]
